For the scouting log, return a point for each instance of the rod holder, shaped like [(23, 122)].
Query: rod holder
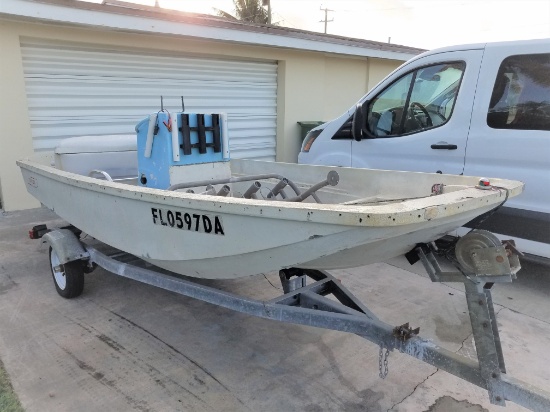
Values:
[(210, 190), (332, 180), (224, 191), (281, 184), (254, 187)]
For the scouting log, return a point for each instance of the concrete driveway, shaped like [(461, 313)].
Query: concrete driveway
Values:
[(126, 346)]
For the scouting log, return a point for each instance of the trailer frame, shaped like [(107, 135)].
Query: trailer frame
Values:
[(305, 301)]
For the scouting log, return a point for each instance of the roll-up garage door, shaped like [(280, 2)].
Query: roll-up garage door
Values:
[(76, 90)]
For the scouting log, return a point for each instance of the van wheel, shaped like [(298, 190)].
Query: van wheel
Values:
[(68, 278)]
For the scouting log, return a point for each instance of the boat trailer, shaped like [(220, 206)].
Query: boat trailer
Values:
[(480, 259)]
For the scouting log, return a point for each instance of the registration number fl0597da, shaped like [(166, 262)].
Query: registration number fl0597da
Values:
[(194, 222)]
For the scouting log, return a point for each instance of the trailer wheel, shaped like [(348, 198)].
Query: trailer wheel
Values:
[(68, 278)]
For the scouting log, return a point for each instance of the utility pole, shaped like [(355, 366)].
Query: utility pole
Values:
[(268, 4), (326, 17)]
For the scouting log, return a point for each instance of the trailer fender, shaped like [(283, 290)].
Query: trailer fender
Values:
[(67, 245)]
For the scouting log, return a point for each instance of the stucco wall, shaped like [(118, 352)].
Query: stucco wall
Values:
[(312, 86), (379, 69), (15, 134)]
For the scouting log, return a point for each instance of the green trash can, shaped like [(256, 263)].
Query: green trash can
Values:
[(306, 127)]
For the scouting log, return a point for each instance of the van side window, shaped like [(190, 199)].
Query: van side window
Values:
[(521, 95), (420, 100)]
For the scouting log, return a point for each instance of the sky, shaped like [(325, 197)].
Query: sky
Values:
[(425, 24)]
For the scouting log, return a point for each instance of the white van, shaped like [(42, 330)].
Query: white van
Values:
[(480, 110)]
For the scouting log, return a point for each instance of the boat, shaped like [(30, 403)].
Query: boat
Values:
[(172, 197), (191, 209)]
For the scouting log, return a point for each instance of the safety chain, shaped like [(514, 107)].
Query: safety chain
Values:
[(383, 362)]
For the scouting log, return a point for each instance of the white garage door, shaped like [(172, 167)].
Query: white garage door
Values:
[(74, 91)]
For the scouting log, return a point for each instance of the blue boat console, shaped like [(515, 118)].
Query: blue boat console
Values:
[(168, 141)]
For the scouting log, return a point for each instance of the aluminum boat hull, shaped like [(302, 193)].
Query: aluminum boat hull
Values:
[(227, 237)]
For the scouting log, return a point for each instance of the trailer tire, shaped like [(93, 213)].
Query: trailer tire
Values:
[(68, 278)]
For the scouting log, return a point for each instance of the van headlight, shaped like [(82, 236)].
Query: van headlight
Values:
[(309, 139)]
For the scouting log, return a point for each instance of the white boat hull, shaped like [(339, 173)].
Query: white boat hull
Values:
[(224, 237)]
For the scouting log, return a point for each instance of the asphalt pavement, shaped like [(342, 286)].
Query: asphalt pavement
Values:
[(124, 346)]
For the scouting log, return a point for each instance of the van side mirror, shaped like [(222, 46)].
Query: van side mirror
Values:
[(358, 123)]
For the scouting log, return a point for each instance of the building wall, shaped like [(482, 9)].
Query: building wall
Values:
[(379, 69), (311, 86), (15, 135)]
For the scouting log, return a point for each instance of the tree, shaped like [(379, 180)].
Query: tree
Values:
[(247, 10)]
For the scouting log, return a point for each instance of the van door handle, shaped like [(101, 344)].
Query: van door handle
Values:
[(444, 146)]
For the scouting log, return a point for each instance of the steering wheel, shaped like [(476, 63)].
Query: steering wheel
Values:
[(427, 117)]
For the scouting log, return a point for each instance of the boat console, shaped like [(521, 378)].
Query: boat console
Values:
[(168, 143)]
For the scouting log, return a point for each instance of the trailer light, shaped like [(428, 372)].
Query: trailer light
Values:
[(38, 231)]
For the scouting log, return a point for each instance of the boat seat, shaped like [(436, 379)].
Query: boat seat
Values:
[(115, 155)]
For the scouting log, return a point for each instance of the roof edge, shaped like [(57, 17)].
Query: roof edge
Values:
[(138, 18)]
